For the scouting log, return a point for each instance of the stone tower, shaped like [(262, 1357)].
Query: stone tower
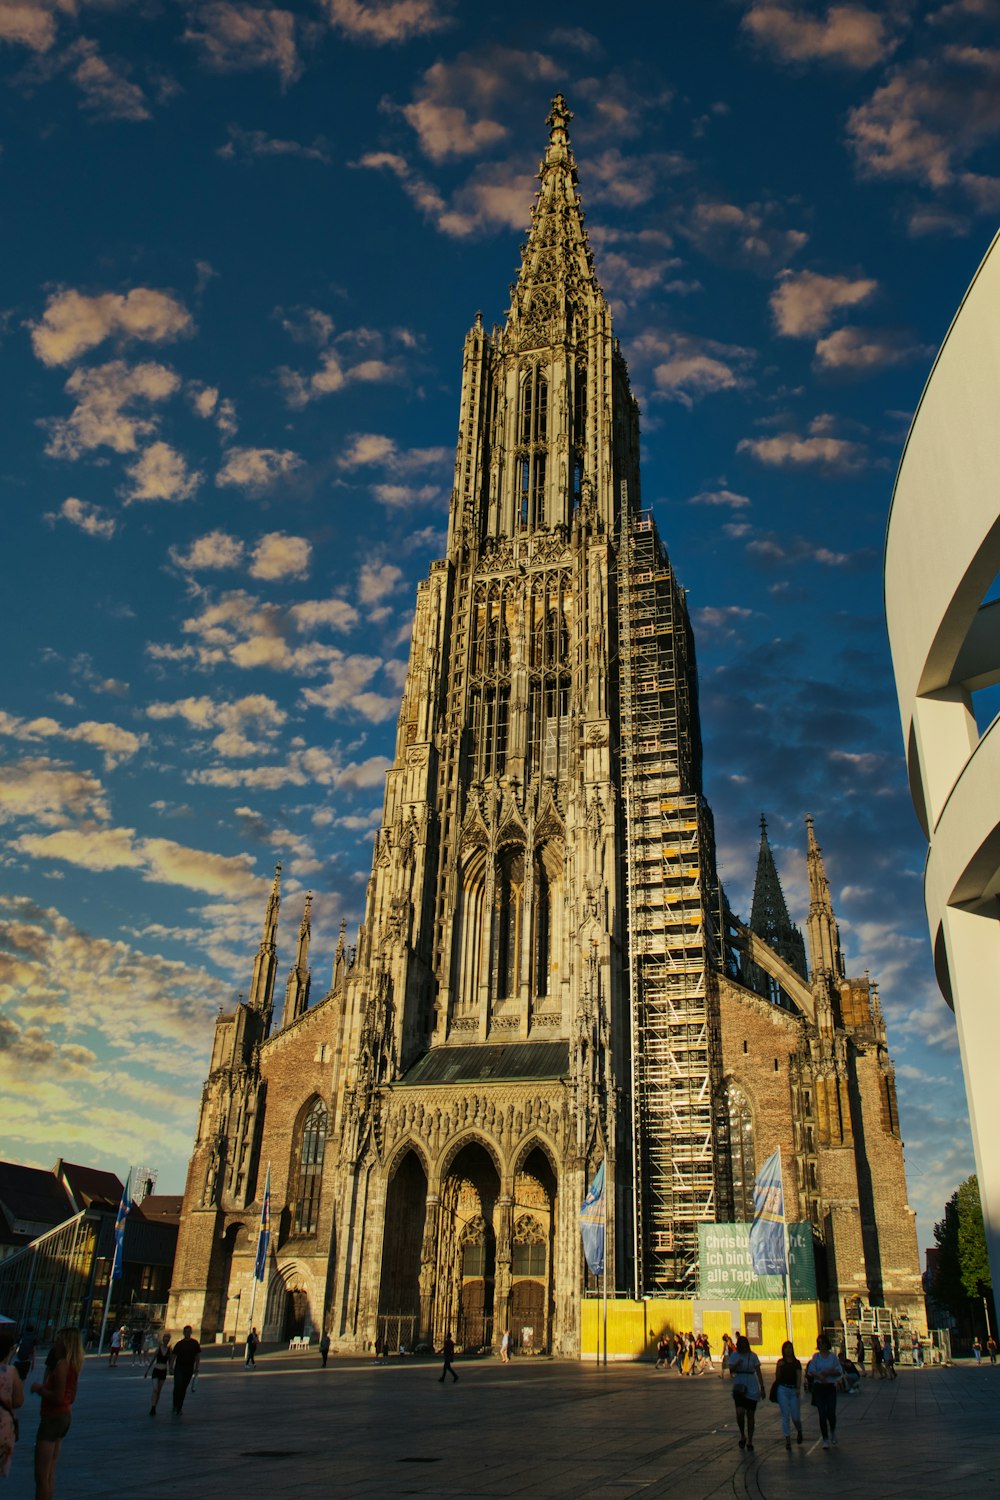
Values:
[(547, 976)]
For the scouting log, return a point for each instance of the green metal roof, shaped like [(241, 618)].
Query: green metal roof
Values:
[(507, 1063)]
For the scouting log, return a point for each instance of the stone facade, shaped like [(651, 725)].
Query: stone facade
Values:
[(432, 1123)]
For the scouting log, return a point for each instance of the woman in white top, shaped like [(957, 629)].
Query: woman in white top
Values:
[(825, 1372), (748, 1388)]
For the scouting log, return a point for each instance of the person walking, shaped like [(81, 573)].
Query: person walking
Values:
[(116, 1347), (324, 1348), (661, 1352), (859, 1353), (58, 1392), (448, 1350), (728, 1348), (24, 1359), (253, 1344), (158, 1368), (878, 1368), (187, 1358), (889, 1357), (748, 1388), (824, 1373), (991, 1349), (788, 1382), (505, 1347), (11, 1397), (977, 1350)]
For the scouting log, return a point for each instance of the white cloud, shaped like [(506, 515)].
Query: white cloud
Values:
[(252, 145), (318, 614), (399, 496), (804, 302), (216, 549), (31, 23), (104, 414), (864, 350), (161, 473), (278, 555), (161, 860), (233, 720), (686, 368), (929, 117), (339, 364), (235, 37), (747, 235), (789, 450), (377, 581), (348, 688), (49, 792), (720, 497), (386, 21), (92, 520), (72, 322), (496, 195), (108, 92), (257, 470), (850, 35), (117, 744), (238, 630)]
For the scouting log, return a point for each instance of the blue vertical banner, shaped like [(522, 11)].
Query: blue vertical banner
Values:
[(767, 1232), (123, 1212), (264, 1235), (592, 1224)]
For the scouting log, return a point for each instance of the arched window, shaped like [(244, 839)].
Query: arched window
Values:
[(542, 925), (529, 1252), (506, 969), (310, 1169), (741, 1153)]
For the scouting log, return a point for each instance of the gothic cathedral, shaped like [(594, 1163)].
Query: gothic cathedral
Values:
[(548, 975)]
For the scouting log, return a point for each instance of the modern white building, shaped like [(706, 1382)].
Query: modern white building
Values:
[(942, 562)]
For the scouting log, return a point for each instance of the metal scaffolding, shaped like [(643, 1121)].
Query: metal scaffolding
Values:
[(671, 895)]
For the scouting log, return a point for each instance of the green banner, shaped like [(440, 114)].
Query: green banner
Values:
[(725, 1269)]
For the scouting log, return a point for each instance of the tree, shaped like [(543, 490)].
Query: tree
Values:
[(972, 1257), (963, 1265)]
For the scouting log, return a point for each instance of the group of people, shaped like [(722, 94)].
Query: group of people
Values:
[(824, 1375), (57, 1390), (689, 1353)]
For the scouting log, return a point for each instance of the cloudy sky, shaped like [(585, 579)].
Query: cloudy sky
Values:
[(242, 245)]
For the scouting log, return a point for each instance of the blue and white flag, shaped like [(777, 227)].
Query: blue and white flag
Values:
[(767, 1232), (264, 1236), (592, 1224), (123, 1212)]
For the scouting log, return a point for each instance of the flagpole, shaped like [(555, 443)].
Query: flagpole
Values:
[(263, 1243), (604, 1276), (111, 1269), (788, 1259)]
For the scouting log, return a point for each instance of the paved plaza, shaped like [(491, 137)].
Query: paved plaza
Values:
[(535, 1427)]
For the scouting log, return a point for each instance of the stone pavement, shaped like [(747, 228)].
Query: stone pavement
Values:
[(535, 1427)]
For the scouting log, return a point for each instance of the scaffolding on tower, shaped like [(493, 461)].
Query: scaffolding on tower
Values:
[(672, 902)]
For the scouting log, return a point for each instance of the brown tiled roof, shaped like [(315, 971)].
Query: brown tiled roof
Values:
[(90, 1187), (160, 1208), (30, 1196)]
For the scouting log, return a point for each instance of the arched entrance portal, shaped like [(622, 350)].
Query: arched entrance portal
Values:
[(534, 1219), (467, 1245), (399, 1288)]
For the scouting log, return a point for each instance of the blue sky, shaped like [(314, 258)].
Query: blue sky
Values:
[(242, 246)]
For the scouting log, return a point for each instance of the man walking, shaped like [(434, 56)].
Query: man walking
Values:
[(187, 1358), (324, 1348), (253, 1343), (448, 1350)]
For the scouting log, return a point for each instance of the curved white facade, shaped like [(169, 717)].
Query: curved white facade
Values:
[(942, 555)]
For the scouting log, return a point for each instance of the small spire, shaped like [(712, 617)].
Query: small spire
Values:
[(824, 934), (265, 964), (558, 120), (769, 917)]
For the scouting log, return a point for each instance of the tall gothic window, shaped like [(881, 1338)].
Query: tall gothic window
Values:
[(509, 909), (542, 915), (533, 426), (741, 1152), (310, 1173)]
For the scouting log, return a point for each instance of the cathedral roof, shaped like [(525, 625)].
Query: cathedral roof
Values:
[(507, 1062)]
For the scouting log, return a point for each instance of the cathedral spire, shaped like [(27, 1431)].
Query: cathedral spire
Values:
[(824, 934), (299, 976), (769, 917), (266, 962), (557, 258)]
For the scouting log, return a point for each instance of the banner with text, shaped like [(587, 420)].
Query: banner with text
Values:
[(726, 1270)]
